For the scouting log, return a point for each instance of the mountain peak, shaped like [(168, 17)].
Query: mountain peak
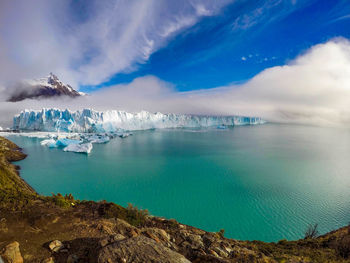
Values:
[(52, 77), (47, 87)]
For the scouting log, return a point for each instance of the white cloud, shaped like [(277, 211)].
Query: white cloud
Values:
[(314, 88), (88, 46)]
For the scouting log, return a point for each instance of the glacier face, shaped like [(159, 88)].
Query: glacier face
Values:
[(91, 121)]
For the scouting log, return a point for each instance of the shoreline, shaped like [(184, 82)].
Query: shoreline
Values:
[(18, 169)]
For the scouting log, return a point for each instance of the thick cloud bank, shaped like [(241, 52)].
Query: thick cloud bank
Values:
[(313, 89)]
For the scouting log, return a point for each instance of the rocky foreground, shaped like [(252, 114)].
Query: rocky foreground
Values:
[(36, 228)]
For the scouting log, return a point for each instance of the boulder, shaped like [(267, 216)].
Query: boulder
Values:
[(156, 234), (139, 249), (48, 260), (110, 239), (12, 254), (195, 241), (56, 246)]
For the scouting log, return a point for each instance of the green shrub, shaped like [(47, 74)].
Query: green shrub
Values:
[(282, 242), (135, 216), (63, 201), (111, 210), (173, 224), (131, 214)]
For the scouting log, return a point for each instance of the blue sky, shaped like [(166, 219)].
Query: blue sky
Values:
[(241, 40)]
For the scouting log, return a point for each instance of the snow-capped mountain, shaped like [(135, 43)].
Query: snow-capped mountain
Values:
[(47, 87), (89, 120)]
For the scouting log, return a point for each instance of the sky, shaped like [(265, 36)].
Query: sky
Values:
[(284, 60)]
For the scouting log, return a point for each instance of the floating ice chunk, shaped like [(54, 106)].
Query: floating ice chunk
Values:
[(53, 136), (1, 128), (73, 142), (51, 143), (66, 142), (79, 148), (124, 134), (222, 127), (98, 139)]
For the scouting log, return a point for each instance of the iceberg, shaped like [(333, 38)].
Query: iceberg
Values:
[(74, 142), (79, 148), (99, 139), (124, 134), (66, 142), (222, 127), (116, 121), (70, 144), (51, 143)]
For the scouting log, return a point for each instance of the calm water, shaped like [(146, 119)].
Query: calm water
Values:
[(263, 182)]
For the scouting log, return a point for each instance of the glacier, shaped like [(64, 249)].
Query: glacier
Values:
[(112, 121), (77, 131)]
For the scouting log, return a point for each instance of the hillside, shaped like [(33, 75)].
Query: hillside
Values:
[(58, 228)]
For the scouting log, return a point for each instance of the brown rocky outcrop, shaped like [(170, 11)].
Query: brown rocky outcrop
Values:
[(12, 254), (139, 249)]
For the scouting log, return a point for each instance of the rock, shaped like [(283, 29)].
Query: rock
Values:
[(162, 234), (159, 235), (72, 259), (12, 254), (197, 231), (125, 229), (212, 252), (118, 237), (104, 242), (139, 249), (195, 241), (208, 239), (111, 239), (56, 246), (221, 252), (228, 249), (48, 260), (150, 234), (106, 227), (132, 233)]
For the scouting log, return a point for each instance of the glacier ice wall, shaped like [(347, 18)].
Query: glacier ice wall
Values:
[(88, 120)]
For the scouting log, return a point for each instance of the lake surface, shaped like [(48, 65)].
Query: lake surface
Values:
[(263, 182)]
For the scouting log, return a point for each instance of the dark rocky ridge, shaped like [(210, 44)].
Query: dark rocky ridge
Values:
[(42, 88), (36, 228)]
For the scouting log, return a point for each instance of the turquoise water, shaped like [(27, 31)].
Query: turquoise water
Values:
[(257, 182)]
